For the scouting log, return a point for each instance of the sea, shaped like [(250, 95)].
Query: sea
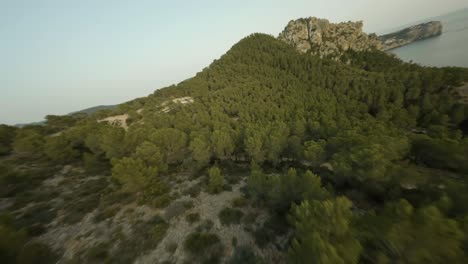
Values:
[(449, 49)]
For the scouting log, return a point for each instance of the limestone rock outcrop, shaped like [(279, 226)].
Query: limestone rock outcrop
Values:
[(325, 39)]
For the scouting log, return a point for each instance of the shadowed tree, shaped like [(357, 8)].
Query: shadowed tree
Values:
[(323, 233)]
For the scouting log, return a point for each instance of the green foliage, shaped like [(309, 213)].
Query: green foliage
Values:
[(254, 145), (151, 155), (192, 217), (243, 255), (172, 142), (133, 174), (257, 183), (98, 253), (406, 235), (361, 164), (61, 150), (15, 248), (230, 216), (323, 233), (33, 253), (215, 181), (441, 153), (200, 151), (314, 152), (159, 230), (206, 247), (112, 140), (240, 202), (11, 243), (223, 144), (29, 142), (7, 136), (15, 182), (95, 164), (280, 191), (198, 242)]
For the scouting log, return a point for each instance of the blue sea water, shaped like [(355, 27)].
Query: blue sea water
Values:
[(449, 49)]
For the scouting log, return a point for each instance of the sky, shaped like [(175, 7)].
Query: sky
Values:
[(60, 56)]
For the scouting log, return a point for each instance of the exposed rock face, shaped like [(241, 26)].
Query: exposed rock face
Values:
[(411, 34), (320, 37)]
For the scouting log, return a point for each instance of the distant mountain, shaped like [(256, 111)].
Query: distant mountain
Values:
[(39, 123), (94, 109), (87, 111)]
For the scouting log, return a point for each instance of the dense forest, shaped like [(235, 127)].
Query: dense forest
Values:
[(364, 160)]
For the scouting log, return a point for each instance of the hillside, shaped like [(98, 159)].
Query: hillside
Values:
[(267, 155)]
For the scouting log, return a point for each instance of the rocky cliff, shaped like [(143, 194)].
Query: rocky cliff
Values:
[(325, 39), (320, 37), (411, 34)]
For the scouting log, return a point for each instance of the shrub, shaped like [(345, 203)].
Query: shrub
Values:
[(205, 226), (250, 218), (76, 210), (171, 247), (239, 202), (98, 253), (188, 204), (206, 247), (145, 236), (33, 253), (198, 242), (243, 255), (159, 231), (106, 213), (36, 217), (11, 242), (216, 180), (192, 218), (229, 216), (272, 228), (263, 236), (193, 191), (161, 201)]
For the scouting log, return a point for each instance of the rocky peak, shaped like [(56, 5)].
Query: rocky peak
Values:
[(320, 37)]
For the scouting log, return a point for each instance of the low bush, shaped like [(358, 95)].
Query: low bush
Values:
[(205, 247), (171, 247), (159, 230), (239, 202), (199, 242), (243, 255), (229, 216), (98, 253), (250, 218), (192, 217), (193, 191), (205, 226), (33, 253)]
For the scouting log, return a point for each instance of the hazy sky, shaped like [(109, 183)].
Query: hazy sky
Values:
[(60, 56)]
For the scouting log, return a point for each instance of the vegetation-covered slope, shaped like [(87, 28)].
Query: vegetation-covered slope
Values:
[(360, 162)]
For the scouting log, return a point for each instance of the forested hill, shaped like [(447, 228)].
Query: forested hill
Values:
[(280, 156)]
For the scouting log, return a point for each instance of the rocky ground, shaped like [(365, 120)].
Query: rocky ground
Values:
[(84, 220)]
